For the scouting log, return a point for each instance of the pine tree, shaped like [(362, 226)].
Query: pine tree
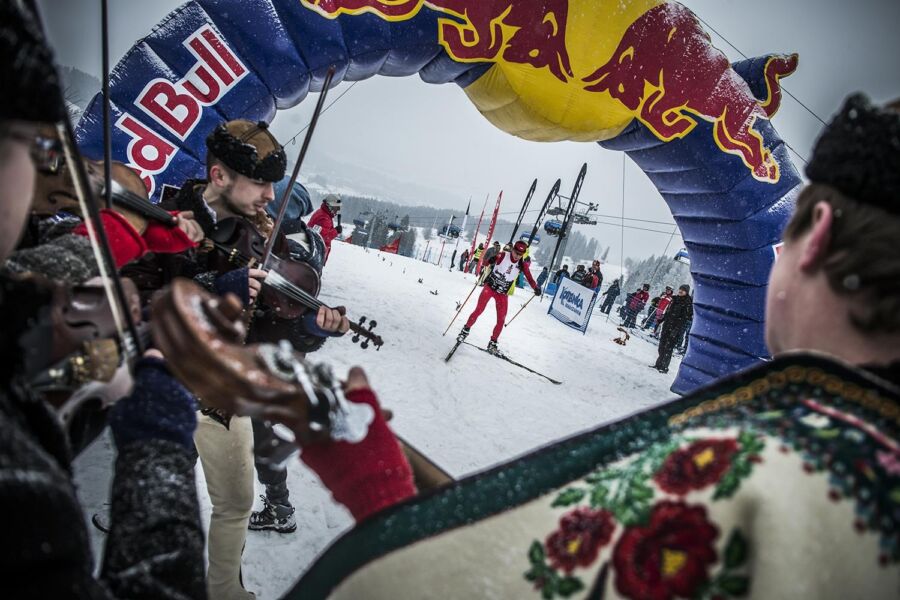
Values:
[(407, 242)]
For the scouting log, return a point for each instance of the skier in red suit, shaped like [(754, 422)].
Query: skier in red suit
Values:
[(504, 270)]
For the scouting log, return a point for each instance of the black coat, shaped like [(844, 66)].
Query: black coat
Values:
[(155, 545), (678, 313)]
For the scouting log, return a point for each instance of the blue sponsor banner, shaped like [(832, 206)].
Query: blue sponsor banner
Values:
[(573, 304)]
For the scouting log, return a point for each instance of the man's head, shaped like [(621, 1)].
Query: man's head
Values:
[(518, 250), (333, 202), (684, 289), (32, 97), (595, 265), (646, 287), (243, 161), (835, 286), (497, 244), (669, 290)]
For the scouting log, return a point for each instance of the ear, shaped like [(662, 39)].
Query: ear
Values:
[(818, 239), (218, 176)]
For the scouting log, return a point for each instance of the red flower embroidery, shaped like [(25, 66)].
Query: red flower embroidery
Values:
[(579, 538), (701, 464), (669, 556)]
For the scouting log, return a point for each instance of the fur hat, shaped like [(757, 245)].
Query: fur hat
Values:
[(249, 149), (32, 91), (858, 153)]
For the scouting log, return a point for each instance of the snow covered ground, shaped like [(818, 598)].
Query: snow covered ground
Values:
[(450, 411)]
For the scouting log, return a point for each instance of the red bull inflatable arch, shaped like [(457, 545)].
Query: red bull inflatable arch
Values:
[(640, 77)]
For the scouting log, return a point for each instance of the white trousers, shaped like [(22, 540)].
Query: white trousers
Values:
[(227, 459)]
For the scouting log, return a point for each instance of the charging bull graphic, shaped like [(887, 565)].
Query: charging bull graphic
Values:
[(522, 32), (639, 77), (664, 71)]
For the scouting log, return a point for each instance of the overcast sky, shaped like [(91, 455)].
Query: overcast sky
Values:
[(433, 136)]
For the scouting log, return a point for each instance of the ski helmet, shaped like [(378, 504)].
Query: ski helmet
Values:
[(520, 247), (333, 201)]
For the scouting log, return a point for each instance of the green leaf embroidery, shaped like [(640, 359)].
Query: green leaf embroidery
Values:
[(569, 585), (749, 445), (895, 495), (735, 585), (735, 550), (536, 553), (569, 497), (598, 496)]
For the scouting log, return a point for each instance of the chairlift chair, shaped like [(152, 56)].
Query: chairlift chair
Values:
[(450, 232), (553, 227)]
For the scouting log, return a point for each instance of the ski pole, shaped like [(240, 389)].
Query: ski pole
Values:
[(520, 310), (461, 306)]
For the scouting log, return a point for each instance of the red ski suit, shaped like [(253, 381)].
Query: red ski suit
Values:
[(503, 274), (322, 222)]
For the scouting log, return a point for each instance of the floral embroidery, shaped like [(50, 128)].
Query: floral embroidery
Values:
[(693, 468), (668, 557), (579, 538), (674, 539)]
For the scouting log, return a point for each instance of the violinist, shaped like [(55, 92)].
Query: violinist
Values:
[(57, 246), (243, 162), (155, 547)]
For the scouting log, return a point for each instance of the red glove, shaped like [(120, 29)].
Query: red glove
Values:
[(368, 476), (165, 239), (124, 240)]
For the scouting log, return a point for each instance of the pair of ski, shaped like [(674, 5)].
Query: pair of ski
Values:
[(501, 357)]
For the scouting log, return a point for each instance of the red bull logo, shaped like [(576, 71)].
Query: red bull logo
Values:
[(663, 70), (518, 32)]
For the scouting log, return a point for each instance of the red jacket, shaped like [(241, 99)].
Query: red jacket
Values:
[(662, 306), (639, 300), (322, 222)]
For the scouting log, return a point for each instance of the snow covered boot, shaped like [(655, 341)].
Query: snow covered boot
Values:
[(463, 335), (493, 349), (273, 517)]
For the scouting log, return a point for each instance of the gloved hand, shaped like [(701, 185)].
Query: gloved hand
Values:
[(164, 239), (339, 229), (537, 291), (236, 282), (125, 241), (369, 475), (159, 407)]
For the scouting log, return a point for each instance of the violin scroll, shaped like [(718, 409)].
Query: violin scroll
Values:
[(370, 336), (271, 381)]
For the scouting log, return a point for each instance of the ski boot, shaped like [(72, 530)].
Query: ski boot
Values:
[(493, 349), (463, 334), (273, 517)]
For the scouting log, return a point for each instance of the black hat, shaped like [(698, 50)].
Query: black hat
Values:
[(31, 90), (685, 287), (858, 154), (249, 149)]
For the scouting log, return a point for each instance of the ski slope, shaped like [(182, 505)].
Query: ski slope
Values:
[(466, 415)]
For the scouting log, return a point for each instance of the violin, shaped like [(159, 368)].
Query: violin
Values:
[(290, 287), (261, 379), (186, 320), (54, 191), (74, 358)]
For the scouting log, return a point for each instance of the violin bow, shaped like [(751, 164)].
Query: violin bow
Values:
[(282, 210), (112, 283)]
